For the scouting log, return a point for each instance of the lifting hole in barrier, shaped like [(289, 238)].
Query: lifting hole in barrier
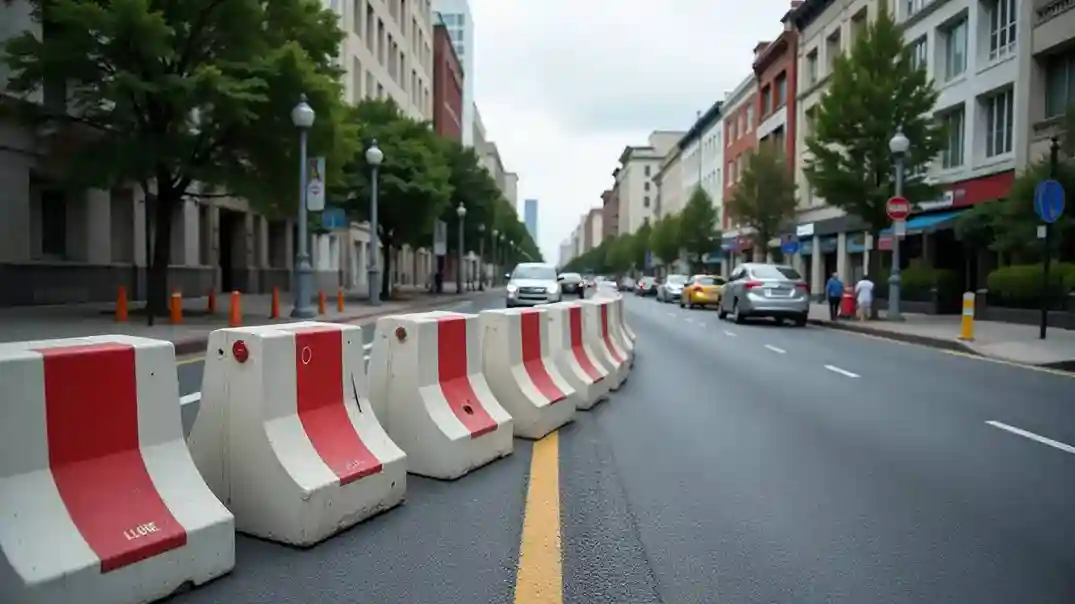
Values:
[(239, 351), (307, 355), (401, 334), (468, 409), (220, 352)]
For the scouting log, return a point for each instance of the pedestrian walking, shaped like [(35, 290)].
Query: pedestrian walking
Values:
[(864, 297), (834, 289)]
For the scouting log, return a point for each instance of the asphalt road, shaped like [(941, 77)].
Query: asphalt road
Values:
[(740, 463)]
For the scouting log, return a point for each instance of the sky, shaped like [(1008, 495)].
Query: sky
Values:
[(564, 85)]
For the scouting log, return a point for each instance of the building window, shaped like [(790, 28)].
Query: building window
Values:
[(832, 48), (646, 171), (646, 187), (766, 100), (954, 122), (919, 52), (955, 49), (53, 224), (1002, 17), (858, 24), (750, 117), (781, 89), (910, 7), (1059, 84), (645, 201), (999, 116), (811, 68)]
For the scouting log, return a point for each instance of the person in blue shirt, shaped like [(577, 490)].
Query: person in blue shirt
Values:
[(834, 289)]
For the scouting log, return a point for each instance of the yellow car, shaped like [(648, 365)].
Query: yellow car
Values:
[(702, 290)]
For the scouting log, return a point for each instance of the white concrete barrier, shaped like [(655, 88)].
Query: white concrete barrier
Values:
[(622, 312), (612, 323), (608, 354), (518, 366), (572, 355), (100, 502), (285, 437), (438, 405)]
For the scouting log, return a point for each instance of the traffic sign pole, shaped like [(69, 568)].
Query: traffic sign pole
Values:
[(1049, 205)]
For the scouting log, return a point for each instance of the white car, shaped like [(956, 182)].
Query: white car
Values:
[(533, 283)]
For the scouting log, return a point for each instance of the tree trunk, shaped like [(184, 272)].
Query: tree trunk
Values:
[(386, 276), (157, 295)]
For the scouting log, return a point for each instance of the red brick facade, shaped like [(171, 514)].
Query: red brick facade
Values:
[(447, 86), (610, 219), (740, 125), (776, 69)]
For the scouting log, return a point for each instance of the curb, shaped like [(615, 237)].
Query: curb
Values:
[(938, 343), (197, 345)]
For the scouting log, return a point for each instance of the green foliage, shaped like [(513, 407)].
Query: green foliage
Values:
[(1020, 285), (872, 91), (169, 94), (764, 198), (473, 186), (665, 241), (1009, 226), (698, 229), (640, 244)]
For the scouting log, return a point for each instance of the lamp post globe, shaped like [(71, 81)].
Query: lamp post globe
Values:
[(374, 155), (899, 144), (303, 114), (461, 211)]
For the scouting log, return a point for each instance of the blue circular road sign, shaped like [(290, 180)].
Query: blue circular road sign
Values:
[(790, 245), (1049, 200)]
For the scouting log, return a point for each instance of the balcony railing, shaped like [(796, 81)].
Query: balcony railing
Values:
[(1051, 9)]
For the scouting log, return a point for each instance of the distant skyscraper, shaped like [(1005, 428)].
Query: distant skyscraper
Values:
[(530, 214)]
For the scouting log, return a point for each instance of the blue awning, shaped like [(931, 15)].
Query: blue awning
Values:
[(924, 222)]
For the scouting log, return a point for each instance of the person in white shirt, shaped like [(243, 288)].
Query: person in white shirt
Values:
[(864, 296)]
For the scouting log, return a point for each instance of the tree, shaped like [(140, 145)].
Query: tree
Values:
[(764, 199), (473, 186), (640, 244), (698, 229), (413, 181), (874, 90), (665, 240), (184, 98), (618, 258)]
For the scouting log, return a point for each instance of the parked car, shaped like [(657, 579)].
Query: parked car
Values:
[(671, 289), (626, 284), (533, 283), (571, 283), (702, 290), (765, 290), (647, 286)]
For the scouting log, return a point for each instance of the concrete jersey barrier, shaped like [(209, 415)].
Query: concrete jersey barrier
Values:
[(100, 502), (518, 367), (609, 355), (610, 325), (438, 405), (285, 435), (573, 356)]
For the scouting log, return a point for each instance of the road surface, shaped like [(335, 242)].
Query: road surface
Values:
[(740, 463)]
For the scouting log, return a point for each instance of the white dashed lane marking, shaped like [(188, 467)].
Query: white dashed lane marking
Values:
[(843, 372)]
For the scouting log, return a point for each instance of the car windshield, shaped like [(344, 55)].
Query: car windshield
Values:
[(544, 273), (572, 277), (676, 280), (769, 271), (706, 281)]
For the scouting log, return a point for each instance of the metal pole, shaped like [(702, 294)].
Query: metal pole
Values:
[(894, 277), (304, 284), (496, 266), (459, 269), (481, 263), (375, 244), (1054, 159)]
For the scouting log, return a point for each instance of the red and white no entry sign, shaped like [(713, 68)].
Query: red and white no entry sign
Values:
[(898, 208)]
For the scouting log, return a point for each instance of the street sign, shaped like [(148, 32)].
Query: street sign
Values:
[(333, 218), (899, 228), (898, 208), (315, 184), (440, 238), (1049, 200), (649, 259), (790, 245)]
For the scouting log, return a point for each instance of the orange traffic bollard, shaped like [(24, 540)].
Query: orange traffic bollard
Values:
[(274, 312), (176, 308), (121, 303), (235, 315), (321, 302), (339, 299), (210, 307)]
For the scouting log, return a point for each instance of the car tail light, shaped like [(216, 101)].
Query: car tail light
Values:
[(752, 284), (803, 287)]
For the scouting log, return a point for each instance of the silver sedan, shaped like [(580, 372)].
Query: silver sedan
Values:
[(774, 291)]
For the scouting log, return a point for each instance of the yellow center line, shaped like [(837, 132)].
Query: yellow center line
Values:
[(539, 578)]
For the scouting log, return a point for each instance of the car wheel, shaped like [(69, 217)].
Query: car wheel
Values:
[(737, 316), (721, 313), (800, 321)]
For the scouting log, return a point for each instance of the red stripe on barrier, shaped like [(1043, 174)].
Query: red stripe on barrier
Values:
[(575, 317), (91, 416), (320, 401), (455, 377), (533, 361), (608, 338)]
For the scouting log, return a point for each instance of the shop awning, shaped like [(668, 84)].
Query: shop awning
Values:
[(927, 222)]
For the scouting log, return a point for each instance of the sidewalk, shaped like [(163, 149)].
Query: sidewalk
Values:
[(74, 320), (1004, 341)]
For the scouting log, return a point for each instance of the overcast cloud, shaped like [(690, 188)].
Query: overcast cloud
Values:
[(563, 85)]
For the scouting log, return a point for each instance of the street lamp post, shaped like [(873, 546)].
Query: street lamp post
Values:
[(481, 257), (302, 116), (898, 146), (496, 260), (374, 157), (503, 254), (461, 212)]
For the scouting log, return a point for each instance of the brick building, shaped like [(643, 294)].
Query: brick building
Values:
[(448, 82), (610, 210)]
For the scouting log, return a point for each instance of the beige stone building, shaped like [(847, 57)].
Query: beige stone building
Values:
[(1047, 58), (635, 189)]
